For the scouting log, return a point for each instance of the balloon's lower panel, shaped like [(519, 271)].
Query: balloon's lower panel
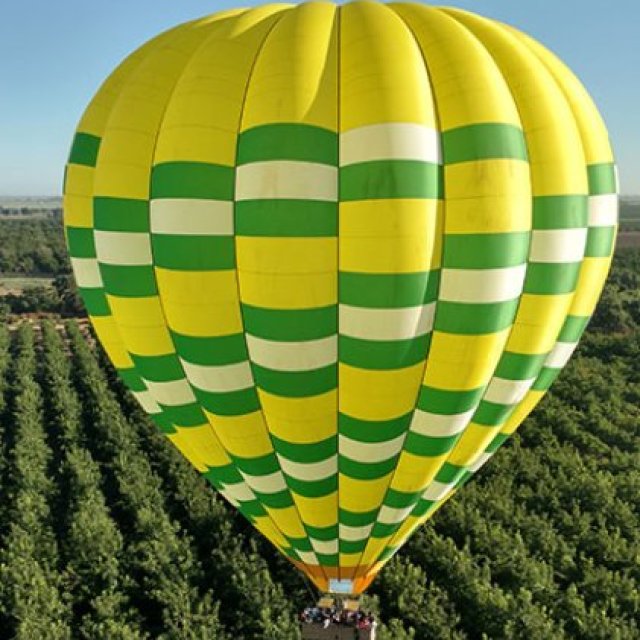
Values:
[(344, 580), (340, 586)]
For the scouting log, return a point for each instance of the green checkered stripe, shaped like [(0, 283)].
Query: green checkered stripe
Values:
[(217, 367), (95, 281), (280, 339), (80, 241), (602, 225), (368, 303), (603, 209), (452, 477), (441, 415), (176, 188), (537, 371), (123, 243), (227, 479), (557, 221), (128, 277), (127, 253), (206, 361)]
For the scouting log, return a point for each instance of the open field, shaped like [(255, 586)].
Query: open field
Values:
[(628, 239), (630, 215), (17, 284)]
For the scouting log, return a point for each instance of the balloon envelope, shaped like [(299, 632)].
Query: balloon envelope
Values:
[(338, 254)]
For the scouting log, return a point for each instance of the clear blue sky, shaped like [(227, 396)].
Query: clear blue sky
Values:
[(54, 55)]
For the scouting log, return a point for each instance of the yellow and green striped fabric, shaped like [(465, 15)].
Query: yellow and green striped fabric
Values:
[(338, 254)]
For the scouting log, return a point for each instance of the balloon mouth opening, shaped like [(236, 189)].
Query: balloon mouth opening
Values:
[(341, 587)]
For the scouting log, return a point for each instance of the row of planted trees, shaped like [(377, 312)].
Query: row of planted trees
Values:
[(31, 580), (107, 532)]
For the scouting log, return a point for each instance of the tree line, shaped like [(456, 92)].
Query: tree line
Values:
[(33, 246)]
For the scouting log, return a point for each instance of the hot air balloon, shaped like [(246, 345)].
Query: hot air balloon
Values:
[(338, 254)]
